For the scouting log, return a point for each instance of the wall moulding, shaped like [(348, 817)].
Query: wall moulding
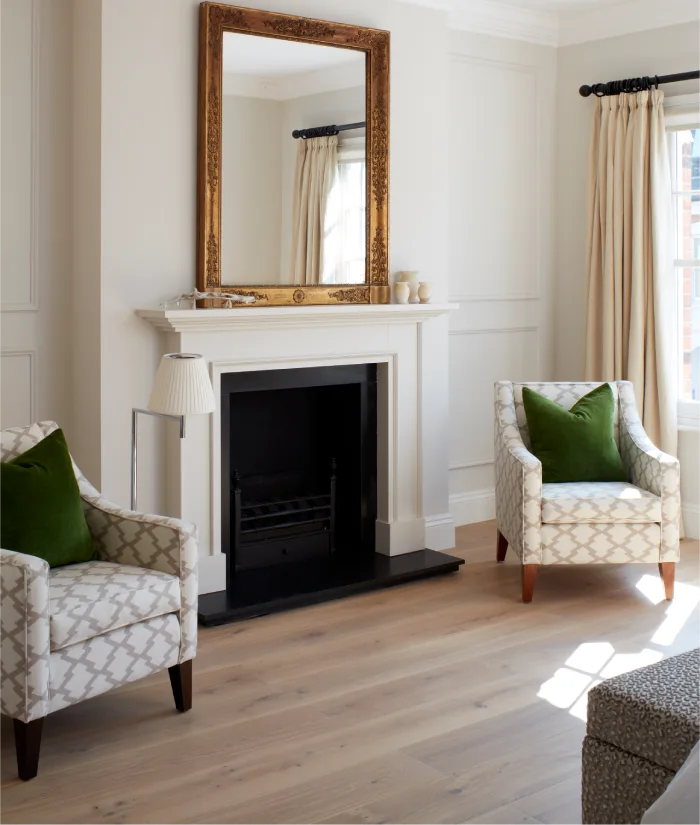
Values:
[(491, 330), (466, 465), (470, 299), (32, 302), (31, 356), (534, 257)]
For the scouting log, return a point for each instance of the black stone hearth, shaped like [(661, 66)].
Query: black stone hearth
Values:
[(256, 594), (298, 493)]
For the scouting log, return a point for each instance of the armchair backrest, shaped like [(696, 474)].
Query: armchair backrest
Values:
[(18, 440), (566, 394)]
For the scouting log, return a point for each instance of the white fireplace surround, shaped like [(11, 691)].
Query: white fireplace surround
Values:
[(409, 345)]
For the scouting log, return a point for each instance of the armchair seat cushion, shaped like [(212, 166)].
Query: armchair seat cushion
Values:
[(598, 502), (94, 597)]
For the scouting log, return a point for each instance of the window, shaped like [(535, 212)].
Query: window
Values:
[(344, 247), (685, 169)]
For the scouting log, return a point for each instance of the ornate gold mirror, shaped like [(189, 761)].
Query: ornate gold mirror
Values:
[(293, 158)]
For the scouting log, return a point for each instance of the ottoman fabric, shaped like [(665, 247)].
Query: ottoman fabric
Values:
[(651, 712), (617, 786)]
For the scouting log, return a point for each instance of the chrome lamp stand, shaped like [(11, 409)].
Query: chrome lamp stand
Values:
[(134, 444)]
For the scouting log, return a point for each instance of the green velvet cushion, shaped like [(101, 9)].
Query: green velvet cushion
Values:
[(576, 444), (42, 513)]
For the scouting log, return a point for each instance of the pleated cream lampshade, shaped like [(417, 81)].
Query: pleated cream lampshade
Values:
[(182, 386)]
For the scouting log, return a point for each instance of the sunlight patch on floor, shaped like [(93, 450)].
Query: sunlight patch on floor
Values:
[(564, 688), (685, 600), (624, 662), (652, 587), (591, 656), (592, 662)]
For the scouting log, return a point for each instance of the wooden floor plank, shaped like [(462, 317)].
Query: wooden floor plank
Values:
[(436, 701)]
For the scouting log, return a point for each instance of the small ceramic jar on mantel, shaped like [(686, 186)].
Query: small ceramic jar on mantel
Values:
[(402, 290)]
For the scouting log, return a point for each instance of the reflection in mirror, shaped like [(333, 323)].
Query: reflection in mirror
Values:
[(292, 206)]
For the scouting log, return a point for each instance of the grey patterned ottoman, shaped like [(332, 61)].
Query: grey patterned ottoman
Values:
[(641, 727)]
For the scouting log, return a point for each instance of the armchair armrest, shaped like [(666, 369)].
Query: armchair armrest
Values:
[(652, 470), (25, 638), (518, 481), (154, 542)]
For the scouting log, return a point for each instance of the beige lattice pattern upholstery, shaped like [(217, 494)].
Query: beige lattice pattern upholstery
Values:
[(77, 631), (584, 523)]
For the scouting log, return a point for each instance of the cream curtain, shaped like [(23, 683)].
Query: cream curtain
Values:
[(631, 317), (316, 169)]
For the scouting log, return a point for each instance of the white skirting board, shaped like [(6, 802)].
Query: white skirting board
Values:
[(691, 521), (477, 505), (440, 532)]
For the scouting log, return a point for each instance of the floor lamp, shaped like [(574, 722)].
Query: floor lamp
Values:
[(181, 387)]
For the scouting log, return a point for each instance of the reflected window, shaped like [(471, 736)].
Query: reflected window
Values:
[(344, 248)]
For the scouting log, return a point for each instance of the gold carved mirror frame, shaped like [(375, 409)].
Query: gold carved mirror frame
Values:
[(215, 19)]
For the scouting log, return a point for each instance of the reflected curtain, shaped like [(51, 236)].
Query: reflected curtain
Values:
[(631, 317), (314, 175)]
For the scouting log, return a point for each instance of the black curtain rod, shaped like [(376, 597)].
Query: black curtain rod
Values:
[(326, 131), (635, 84)]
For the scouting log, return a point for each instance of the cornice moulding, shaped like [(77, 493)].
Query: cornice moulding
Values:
[(499, 19)]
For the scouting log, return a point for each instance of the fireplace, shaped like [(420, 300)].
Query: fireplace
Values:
[(299, 467), (405, 347), (299, 492)]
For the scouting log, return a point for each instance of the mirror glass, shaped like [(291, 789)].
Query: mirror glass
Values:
[(292, 208)]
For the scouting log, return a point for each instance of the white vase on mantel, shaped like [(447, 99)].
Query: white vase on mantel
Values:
[(411, 278), (402, 291), (424, 292)]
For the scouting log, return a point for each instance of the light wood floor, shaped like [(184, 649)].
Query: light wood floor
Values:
[(414, 704)]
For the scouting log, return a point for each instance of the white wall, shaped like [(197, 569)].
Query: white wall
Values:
[(664, 51), (251, 194), (36, 214), (499, 133)]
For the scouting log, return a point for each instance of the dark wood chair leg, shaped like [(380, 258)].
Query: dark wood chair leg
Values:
[(501, 547), (28, 744), (667, 569), (181, 683), (529, 576)]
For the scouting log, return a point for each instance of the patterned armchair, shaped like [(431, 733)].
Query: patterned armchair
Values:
[(584, 523), (73, 632)]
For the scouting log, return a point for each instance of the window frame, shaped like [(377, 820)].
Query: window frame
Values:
[(686, 116)]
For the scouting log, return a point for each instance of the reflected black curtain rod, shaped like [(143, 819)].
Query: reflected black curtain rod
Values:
[(635, 84), (326, 131)]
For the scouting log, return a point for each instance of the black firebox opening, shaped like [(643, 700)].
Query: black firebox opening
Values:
[(299, 474)]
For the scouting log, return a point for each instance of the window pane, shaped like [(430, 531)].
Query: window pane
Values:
[(687, 226), (689, 301), (686, 171), (344, 238)]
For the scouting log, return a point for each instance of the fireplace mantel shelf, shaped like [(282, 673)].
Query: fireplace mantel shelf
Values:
[(220, 320)]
